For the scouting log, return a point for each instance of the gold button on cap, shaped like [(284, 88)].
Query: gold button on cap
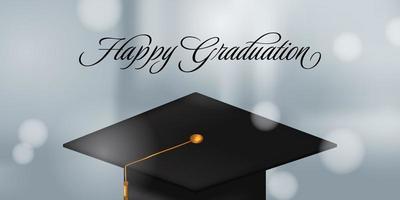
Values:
[(196, 138)]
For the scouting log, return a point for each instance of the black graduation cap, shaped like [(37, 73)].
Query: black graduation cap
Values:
[(197, 148)]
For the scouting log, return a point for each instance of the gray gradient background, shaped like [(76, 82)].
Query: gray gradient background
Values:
[(40, 78)]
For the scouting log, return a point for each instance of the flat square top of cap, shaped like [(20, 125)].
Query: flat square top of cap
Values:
[(233, 147)]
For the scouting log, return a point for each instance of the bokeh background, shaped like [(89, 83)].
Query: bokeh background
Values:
[(351, 98)]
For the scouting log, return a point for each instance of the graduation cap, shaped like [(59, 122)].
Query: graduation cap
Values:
[(196, 148)]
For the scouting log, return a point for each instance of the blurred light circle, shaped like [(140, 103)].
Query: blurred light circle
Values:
[(33, 132), (393, 31), (349, 154), (99, 15), (267, 110), (347, 47), (282, 185), (23, 153)]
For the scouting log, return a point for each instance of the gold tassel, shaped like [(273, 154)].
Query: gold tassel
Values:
[(126, 197), (194, 139)]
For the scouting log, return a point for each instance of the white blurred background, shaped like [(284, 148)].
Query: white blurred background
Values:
[(351, 98)]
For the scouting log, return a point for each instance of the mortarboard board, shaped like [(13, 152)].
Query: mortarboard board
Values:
[(197, 148)]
